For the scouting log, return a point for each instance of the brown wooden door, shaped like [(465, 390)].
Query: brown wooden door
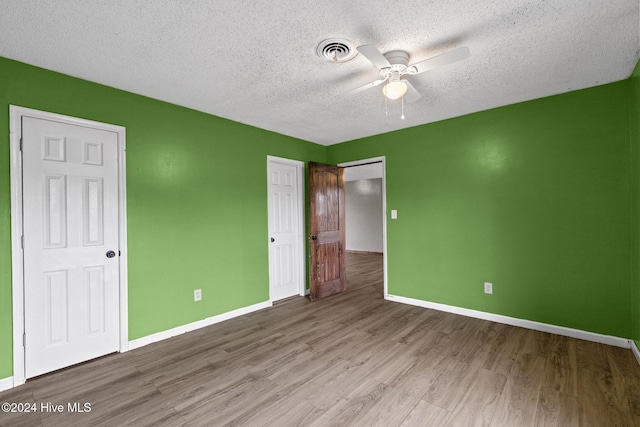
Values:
[(326, 230)]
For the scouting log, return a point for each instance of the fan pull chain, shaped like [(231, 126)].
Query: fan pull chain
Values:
[(402, 116), (386, 108)]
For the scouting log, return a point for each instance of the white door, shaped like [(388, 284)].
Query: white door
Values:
[(71, 282), (285, 235)]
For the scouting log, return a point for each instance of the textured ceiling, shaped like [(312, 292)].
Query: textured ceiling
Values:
[(255, 62)]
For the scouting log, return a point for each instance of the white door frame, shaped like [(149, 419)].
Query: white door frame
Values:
[(17, 254), (384, 210), (301, 221)]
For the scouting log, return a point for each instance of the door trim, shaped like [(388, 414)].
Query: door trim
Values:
[(384, 210), (301, 221), (16, 114)]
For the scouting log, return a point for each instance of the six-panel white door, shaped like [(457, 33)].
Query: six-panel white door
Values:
[(71, 287), (284, 222)]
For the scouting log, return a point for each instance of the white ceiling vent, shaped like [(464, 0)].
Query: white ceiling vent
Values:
[(336, 50)]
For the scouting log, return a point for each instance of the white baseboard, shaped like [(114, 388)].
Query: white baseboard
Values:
[(635, 350), (529, 324), (159, 336), (6, 383)]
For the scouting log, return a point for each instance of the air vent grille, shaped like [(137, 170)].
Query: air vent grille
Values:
[(336, 50)]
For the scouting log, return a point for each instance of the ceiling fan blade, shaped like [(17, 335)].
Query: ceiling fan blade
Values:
[(412, 94), (365, 87), (373, 54), (443, 59)]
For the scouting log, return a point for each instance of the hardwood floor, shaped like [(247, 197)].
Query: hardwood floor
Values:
[(349, 359)]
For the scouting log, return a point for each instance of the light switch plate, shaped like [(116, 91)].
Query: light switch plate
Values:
[(394, 214)]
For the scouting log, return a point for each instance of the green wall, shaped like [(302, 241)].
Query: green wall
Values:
[(538, 198), (196, 199), (634, 121), (534, 197)]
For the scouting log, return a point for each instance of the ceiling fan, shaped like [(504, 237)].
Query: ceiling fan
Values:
[(393, 66)]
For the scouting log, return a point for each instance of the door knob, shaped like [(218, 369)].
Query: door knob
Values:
[(273, 240), (111, 254), (314, 237)]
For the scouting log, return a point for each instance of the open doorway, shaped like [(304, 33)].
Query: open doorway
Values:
[(365, 201)]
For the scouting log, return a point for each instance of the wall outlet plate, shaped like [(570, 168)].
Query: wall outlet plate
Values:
[(197, 295), (488, 288)]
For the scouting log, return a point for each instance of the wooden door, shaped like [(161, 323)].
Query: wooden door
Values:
[(327, 230), (71, 265)]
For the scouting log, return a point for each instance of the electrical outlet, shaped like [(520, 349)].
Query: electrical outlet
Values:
[(488, 288), (197, 295)]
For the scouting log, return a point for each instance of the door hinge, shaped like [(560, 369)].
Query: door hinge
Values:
[(20, 144), (22, 241), (24, 339)]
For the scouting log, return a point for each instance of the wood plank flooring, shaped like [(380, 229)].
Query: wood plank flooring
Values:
[(350, 359)]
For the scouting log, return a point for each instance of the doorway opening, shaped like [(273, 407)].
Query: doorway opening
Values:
[(366, 227)]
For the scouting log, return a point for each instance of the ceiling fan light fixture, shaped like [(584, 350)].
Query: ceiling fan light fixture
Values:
[(395, 89)]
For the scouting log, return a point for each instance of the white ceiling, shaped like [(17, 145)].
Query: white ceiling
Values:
[(254, 61)]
